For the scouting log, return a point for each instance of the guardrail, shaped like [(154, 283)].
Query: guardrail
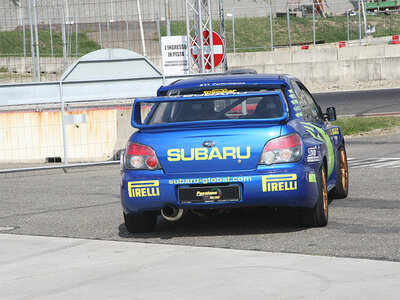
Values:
[(82, 119)]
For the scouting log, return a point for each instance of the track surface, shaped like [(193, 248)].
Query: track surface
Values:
[(84, 203), (361, 102)]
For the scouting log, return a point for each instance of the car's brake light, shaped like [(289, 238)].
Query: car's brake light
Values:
[(288, 148), (141, 157)]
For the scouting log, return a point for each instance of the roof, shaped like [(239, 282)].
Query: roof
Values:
[(226, 80)]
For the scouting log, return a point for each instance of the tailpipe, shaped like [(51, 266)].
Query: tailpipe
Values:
[(172, 213)]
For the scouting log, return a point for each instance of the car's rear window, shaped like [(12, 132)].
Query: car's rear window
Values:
[(221, 89), (252, 107)]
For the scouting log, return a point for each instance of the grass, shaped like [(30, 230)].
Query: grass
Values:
[(11, 43), (251, 34), (357, 125), (254, 33)]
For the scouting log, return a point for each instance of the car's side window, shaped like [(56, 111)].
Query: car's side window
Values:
[(305, 108), (313, 106)]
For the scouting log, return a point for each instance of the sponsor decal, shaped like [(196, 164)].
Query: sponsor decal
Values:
[(208, 154), (209, 180), (222, 83), (313, 154), (334, 131), (312, 177), (279, 183), (321, 136), (219, 92), (213, 194), (147, 188), (295, 103)]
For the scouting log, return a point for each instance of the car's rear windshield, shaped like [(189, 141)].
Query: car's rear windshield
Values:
[(221, 89), (252, 107)]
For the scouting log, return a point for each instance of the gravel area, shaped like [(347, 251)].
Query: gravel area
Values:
[(351, 86), (385, 131)]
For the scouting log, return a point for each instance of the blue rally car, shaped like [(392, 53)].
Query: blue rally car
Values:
[(231, 141)]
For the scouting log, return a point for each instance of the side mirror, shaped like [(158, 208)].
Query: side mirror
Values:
[(330, 114)]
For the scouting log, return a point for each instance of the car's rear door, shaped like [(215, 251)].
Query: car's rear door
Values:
[(316, 122)]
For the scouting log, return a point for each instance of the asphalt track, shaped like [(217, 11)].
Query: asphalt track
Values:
[(365, 102), (62, 236), (84, 203)]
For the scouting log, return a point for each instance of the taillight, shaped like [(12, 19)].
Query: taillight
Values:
[(141, 157), (288, 148)]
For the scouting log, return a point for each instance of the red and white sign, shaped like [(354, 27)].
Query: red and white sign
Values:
[(218, 49)]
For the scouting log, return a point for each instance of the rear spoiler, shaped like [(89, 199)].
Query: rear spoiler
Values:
[(136, 119)]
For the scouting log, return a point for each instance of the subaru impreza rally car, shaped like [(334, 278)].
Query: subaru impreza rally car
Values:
[(231, 141)]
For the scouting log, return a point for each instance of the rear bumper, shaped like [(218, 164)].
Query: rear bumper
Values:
[(285, 185)]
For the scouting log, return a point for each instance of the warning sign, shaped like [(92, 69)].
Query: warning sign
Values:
[(175, 55)]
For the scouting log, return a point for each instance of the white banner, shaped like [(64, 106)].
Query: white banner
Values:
[(175, 55)]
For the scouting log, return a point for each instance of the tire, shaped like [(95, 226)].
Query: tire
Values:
[(318, 215), (341, 189), (140, 222)]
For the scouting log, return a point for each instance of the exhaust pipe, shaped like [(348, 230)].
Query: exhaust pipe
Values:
[(172, 213)]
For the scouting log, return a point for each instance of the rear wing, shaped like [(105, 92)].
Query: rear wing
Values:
[(137, 122)]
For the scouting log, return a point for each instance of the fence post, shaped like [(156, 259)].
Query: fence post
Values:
[(348, 26), (288, 25), (365, 22), (32, 41), (167, 18), (233, 31), (100, 35), (37, 40), (188, 40), (313, 21), (127, 33), (64, 41), (24, 36), (108, 33), (270, 25), (22, 17), (76, 38), (159, 40), (141, 28), (359, 21), (222, 30), (64, 130), (51, 39)]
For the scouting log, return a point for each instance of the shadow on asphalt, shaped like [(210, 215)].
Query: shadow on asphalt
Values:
[(239, 222)]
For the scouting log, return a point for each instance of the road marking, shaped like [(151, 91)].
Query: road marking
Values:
[(390, 162)]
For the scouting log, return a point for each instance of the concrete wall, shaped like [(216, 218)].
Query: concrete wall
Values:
[(32, 136), (325, 64)]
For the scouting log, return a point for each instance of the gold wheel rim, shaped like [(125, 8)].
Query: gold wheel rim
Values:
[(344, 169), (324, 193)]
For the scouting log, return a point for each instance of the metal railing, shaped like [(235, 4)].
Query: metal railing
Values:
[(34, 136), (39, 39)]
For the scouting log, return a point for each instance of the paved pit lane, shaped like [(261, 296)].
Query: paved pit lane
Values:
[(84, 203)]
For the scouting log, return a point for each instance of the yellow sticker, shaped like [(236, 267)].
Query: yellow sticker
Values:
[(208, 154), (140, 189), (219, 91), (279, 183), (334, 131)]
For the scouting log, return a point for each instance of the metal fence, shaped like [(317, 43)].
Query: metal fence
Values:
[(40, 38), (31, 136)]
